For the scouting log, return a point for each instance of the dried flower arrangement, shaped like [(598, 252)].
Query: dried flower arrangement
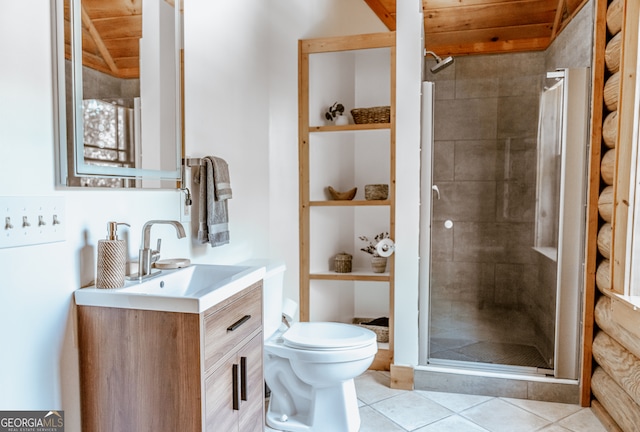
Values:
[(371, 247), (335, 110)]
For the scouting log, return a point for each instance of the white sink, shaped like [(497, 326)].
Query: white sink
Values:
[(192, 289)]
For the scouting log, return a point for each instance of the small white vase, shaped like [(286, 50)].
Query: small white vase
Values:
[(341, 120)]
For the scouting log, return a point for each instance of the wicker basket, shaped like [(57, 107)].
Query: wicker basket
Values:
[(376, 192), (342, 263), (382, 333), (380, 114)]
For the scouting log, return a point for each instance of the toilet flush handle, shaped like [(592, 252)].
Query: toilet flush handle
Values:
[(285, 321)]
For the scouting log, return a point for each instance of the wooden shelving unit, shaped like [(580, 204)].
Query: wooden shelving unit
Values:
[(348, 69)]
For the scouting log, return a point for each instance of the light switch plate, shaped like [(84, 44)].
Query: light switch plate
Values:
[(29, 221)]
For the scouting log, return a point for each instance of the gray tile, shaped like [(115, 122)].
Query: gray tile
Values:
[(466, 201), (493, 242), (475, 160), (443, 160), (520, 85), (466, 119), (549, 410), (463, 281), (499, 416), (509, 283), (411, 410), (441, 242), (517, 116), (454, 423), (454, 401), (554, 392), (468, 384), (373, 421), (373, 386), (478, 87), (478, 66), (445, 89), (582, 421), (554, 428)]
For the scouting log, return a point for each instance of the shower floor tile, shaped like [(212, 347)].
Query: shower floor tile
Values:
[(504, 353), (484, 335)]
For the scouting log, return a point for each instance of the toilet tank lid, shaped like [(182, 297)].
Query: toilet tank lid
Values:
[(271, 266)]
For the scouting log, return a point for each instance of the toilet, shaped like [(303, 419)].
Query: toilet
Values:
[(310, 366)]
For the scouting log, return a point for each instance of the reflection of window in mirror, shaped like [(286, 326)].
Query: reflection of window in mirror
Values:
[(110, 136)]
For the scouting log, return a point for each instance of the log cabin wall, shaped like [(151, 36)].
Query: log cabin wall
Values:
[(611, 373)]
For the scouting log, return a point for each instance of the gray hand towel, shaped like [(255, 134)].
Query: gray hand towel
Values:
[(215, 190)]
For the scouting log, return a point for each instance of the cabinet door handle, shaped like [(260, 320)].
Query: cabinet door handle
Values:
[(238, 323), (243, 378), (236, 396)]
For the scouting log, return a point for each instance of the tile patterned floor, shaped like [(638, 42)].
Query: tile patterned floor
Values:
[(383, 409)]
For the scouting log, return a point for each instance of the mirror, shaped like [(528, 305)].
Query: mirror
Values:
[(119, 92)]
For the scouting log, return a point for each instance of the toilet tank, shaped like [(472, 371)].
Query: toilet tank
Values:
[(272, 291)]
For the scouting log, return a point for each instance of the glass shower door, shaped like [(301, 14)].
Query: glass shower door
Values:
[(489, 300)]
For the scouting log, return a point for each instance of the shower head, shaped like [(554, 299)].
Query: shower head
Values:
[(440, 63)]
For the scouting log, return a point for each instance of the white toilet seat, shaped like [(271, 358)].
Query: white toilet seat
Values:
[(319, 351), (319, 336)]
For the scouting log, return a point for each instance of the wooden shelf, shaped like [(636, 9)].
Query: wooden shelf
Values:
[(350, 127), (373, 74), (356, 275), (349, 203)]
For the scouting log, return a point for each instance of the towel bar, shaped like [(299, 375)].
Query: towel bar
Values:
[(191, 162)]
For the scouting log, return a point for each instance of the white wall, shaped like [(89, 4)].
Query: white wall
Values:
[(241, 104), (408, 88)]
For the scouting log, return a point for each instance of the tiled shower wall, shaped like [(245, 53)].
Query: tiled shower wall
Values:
[(486, 120)]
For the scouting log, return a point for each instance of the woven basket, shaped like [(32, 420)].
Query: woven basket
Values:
[(380, 114), (376, 192), (342, 263), (382, 333)]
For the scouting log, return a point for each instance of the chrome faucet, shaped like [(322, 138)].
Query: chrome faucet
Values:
[(147, 255)]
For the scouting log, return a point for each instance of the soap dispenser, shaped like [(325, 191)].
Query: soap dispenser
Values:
[(112, 259)]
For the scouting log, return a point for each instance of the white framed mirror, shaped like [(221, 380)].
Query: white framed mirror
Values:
[(118, 70)]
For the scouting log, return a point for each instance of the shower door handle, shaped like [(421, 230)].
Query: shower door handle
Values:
[(436, 190)]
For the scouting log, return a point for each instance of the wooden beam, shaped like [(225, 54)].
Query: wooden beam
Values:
[(355, 42), (488, 35), (387, 17), (519, 45), (558, 19), (488, 16), (401, 377), (593, 194), (104, 52)]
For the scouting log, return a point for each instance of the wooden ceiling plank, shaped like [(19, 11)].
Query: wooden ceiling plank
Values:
[(443, 4), (574, 5), (387, 16), (512, 46), (119, 27), (104, 52), (486, 16), (126, 47), (98, 9), (497, 34)]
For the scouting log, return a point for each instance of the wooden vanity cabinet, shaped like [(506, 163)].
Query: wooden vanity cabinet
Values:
[(144, 370)]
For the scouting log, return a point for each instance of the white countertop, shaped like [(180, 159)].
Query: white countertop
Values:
[(192, 289)]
